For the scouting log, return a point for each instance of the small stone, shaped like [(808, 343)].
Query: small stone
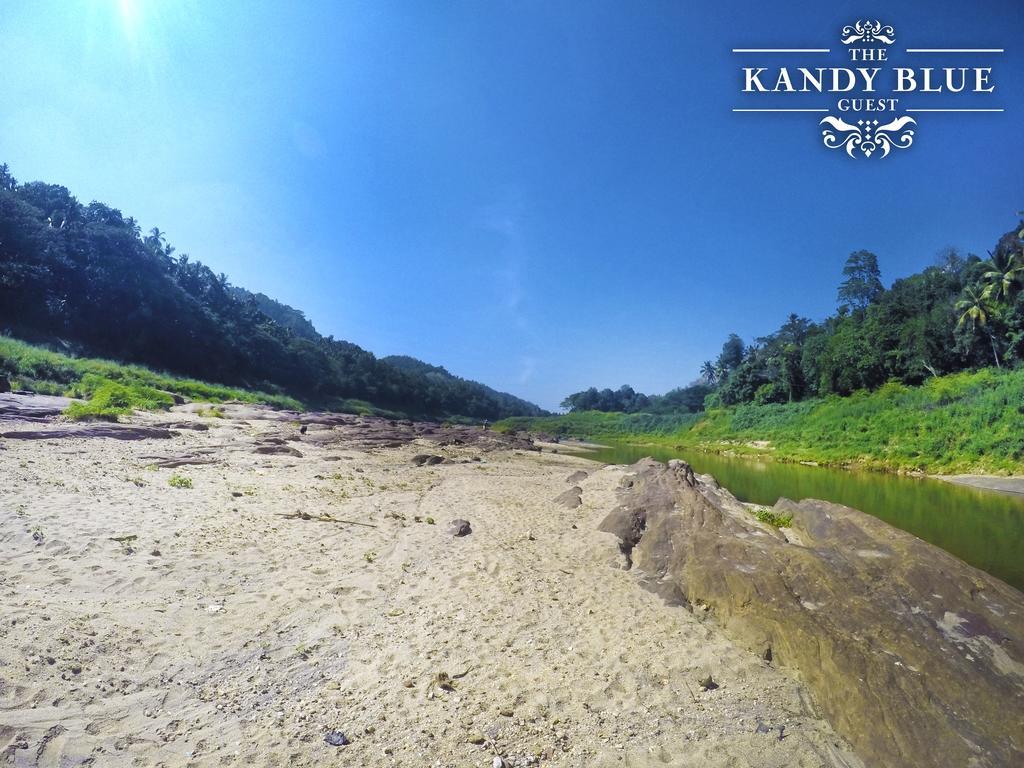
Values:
[(336, 739)]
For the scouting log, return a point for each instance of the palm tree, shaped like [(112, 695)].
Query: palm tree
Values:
[(156, 238), (976, 308), (708, 372), (1004, 271)]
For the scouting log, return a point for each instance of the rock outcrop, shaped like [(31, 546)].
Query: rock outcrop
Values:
[(916, 657)]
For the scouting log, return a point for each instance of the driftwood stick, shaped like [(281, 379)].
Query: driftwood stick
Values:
[(325, 519)]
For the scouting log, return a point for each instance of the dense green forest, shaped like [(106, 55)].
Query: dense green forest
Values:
[(960, 422), (86, 277), (927, 375), (962, 313)]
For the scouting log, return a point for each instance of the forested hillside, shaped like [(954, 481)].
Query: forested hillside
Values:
[(961, 313), (88, 276), (927, 375)]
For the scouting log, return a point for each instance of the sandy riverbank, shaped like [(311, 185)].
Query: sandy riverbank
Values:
[(146, 624)]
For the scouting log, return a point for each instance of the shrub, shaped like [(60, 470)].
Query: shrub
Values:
[(109, 399), (179, 481)]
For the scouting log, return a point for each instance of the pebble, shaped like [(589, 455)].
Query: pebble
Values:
[(336, 739)]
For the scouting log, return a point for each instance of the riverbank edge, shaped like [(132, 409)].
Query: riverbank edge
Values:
[(1012, 484)]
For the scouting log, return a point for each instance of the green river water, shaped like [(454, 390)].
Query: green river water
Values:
[(983, 528)]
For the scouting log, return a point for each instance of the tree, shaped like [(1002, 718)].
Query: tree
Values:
[(709, 373), (863, 284), (950, 261), (732, 354), (976, 307), (1004, 271), (7, 181)]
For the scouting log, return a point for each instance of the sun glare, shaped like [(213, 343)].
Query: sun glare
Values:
[(131, 16)]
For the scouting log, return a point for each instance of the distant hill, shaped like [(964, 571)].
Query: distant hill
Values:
[(459, 390), (86, 275)]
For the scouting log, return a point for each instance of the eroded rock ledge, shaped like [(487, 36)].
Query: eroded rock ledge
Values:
[(916, 657)]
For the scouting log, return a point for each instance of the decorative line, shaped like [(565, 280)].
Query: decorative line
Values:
[(781, 50), (780, 110), (955, 110), (955, 50)]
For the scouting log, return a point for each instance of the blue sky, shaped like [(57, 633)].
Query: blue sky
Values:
[(539, 195)]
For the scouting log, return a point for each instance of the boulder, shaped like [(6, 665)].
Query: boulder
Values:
[(576, 477), (916, 657), (428, 460), (459, 527), (571, 499)]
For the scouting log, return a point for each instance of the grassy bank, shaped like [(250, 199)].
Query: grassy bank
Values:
[(964, 422), (595, 425), (112, 389)]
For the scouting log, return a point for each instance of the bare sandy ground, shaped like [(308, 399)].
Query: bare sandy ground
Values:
[(226, 634)]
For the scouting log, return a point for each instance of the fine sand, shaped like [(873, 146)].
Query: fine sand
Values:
[(226, 634)]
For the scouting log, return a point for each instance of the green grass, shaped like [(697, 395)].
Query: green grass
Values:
[(769, 516), (109, 399), (963, 422), (179, 481), (596, 425), (112, 388)]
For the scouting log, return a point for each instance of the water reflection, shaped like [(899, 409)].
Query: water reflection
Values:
[(984, 528)]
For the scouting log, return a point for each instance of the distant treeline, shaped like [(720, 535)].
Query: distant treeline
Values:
[(961, 313), (86, 274), (689, 399)]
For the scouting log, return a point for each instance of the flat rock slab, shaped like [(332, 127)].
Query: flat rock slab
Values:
[(31, 407), (172, 462), (576, 477), (114, 431), (277, 450), (915, 656)]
